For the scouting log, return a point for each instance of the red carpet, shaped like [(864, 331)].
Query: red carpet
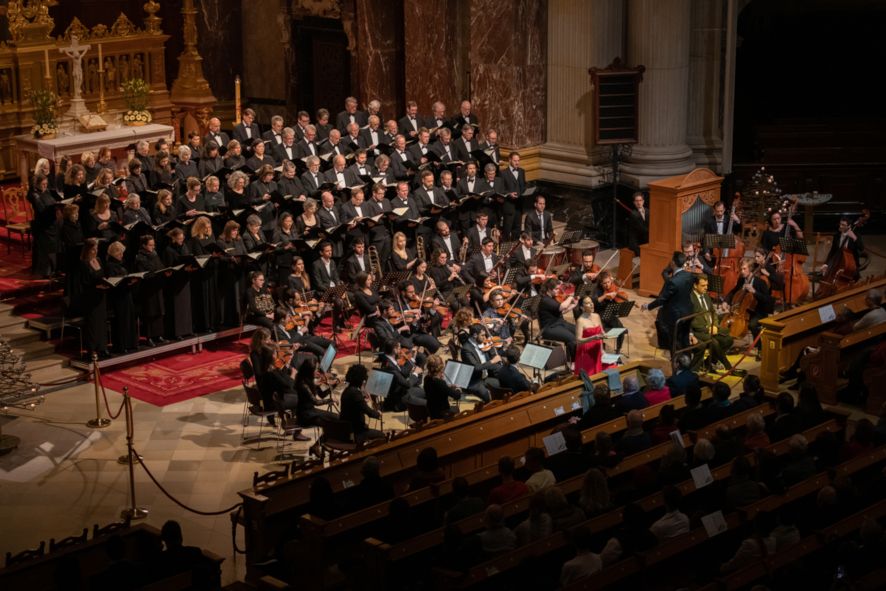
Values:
[(181, 377), (15, 273)]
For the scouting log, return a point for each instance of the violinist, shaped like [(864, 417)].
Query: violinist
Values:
[(277, 387), (299, 280), (426, 320), (485, 262), (259, 302), (757, 288), (309, 395), (844, 240), (529, 280), (355, 407), (389, 325), (486, 363), (497, 325), (446, 277), (586, 275), (766, 266), (608, 291), (705, 329), (294, 329), (695, 263), (366, 297), (776, 230), (399, 362), (550, 315), (437, 391)]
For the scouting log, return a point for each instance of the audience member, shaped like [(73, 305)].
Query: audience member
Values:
[(799, 465), (496, 537), (122, 574), (399, 523), (755, 433), (429, 472), (538, 525), (571, 462), (786, 421), (703, 452), (726, 446), (683, 377), (563, 514), (673, 468), (809, 409), (594, 498), (539, 476), (585, 562), (741, 489), (321, 500), (755, 547), (372, 489), (465, 503), (674, 522), (693, 416), (862, 440), (604, 454), (177, 558), (631, 537), (656, 391), (720, 407), (752, 394), (510, 488), (665, 425), (602, 411), (635, 439), (632, 398)]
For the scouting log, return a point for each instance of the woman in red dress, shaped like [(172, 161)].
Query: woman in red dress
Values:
[(588, 339)]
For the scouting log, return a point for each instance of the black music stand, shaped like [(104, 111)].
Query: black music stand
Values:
[(795, 247), (712, 241), (715, 284), (530, 308), (570, 236), (504, 248), (332, 295), (510, 275), (613, 310), (394, 278)]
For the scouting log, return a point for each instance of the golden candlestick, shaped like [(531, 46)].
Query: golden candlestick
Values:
[(237, 105), (101, 89)]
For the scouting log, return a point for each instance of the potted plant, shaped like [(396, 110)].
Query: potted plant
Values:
[(135, 93), (44, 103)]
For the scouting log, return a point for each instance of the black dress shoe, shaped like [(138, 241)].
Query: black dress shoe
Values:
[(150, 343), (272, 421)]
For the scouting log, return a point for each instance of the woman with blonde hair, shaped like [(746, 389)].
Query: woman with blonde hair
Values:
[(402, 258), (164, 211), (204, 284), (43, 167), (236, 194), (437, 391), (87, 160), (102, 221)]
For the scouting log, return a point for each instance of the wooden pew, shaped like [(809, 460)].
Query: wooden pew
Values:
[(823, 367), (463, 445), (92, 559), (736, 421), (784, 335)]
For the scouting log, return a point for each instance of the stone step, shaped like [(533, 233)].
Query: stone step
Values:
[(48, 375), (8, 319), (20, 335), (4, 307), (34, 349), (48, 361)]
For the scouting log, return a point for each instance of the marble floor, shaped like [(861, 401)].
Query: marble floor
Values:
[(65, 476)]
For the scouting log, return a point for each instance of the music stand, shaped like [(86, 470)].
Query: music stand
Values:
[(393, 278), (536, 357), (570, 236), (510, 274), (505, 247), (796, 247), (721, 241), (378, 385), (612, 310), (332, 295), (530, 308), (460, 291), (715, 284)]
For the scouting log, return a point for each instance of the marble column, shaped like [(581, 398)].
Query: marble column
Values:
[(431, 54), (379, 57), (658, 38), (263, 38), (706, 70), (581, 35), (218, 23), (508, 57)]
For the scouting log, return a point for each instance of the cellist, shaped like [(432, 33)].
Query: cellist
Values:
[(844, 240), (751, 284)]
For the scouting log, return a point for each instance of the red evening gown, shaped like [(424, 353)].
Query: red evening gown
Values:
[(589, 355)]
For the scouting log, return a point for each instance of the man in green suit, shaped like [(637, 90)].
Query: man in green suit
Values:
[(705, 328)]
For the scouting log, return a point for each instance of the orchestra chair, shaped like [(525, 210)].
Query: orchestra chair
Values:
[(417, 413), (26, 555), (499, 393), (111, 528), (67, 542), (337, 438), (17, 216), (252, 405)]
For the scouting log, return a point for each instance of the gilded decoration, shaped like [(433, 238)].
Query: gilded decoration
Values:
[(29, 20)]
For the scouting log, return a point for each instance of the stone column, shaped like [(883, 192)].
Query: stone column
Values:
[(379, 57), (658, 38), (705, 130), (581, 35)]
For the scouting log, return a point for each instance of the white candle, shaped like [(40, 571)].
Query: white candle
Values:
[(99, 55), (46, 60)]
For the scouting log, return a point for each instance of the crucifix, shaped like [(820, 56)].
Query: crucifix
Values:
[(75, 51)]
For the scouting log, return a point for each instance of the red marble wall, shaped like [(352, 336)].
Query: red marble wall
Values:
[(379, 56), (433, 66), (508, 55)]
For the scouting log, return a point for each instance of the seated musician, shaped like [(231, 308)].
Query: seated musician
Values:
[(550, 316), (695, 263), (429, 321), (325, 277), (366, 297), (845, 239), (509, 376), (259, 302), (607, 291), (706, 330), (486, 363), (484, 263), (524, 255), (277, 387), (497, 324), (294, 329), (718, 224), (755, 286), (405, 389), (299, 281), (437, 391), (586, 275), (355, 406), (358, 262), (309, 395), (766, 265), (480, 231), (446, 278)]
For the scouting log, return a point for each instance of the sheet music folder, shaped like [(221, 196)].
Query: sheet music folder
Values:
[(379, 383), (535, 356), (458, 374)]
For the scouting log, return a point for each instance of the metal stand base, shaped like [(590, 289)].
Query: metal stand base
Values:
[(124, 459), (133, 514), (8, 443), (98, 423)]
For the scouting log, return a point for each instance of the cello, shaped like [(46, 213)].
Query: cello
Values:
[(842, 269)]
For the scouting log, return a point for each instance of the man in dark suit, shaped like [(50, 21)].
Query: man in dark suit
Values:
[(446, 240), (286, 149), (354, 209), (490, 183), (438, 120), (706, 331), (683, 378), (844, 239), (444, 148), (216, 135), (491, 146), (373, 136), (479, 232), (275, 134), (632, 398), (524, 255), (486, 364), (311, 179), (514, 179), (247, 130), (379, 234), (303, 119), (307, 146), (405, 384), (360, 168), (336, 174), (328, 217), (350, 115), (324, 273), (336, 146), (352, 138), (638, 224), (466, 185), (418, 151), (759, 290), (357, 263), (539, 222), (675, 303), (401, 159), (719, 224), (429, 195), (409, 124), (465, 143), (509, 376), (482, 263), (466, 117)]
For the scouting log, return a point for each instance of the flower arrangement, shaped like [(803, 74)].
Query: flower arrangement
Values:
[(44, 103), (135, 93)]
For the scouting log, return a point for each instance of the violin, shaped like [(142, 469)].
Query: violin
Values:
[(408, 316), (539, 278), (489, 343), (294, 321), (614, 294), (283, 352), (560, 293), (506, 312), (404, 357), (506, 291)]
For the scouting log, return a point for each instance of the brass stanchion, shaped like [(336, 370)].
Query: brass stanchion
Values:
[(133, 512), (98, 422)]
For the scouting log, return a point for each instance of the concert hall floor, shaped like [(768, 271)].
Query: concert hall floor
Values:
[(65, 476)]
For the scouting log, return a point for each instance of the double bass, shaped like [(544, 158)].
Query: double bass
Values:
[(729, 259), (842, 268), (796, 282)]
